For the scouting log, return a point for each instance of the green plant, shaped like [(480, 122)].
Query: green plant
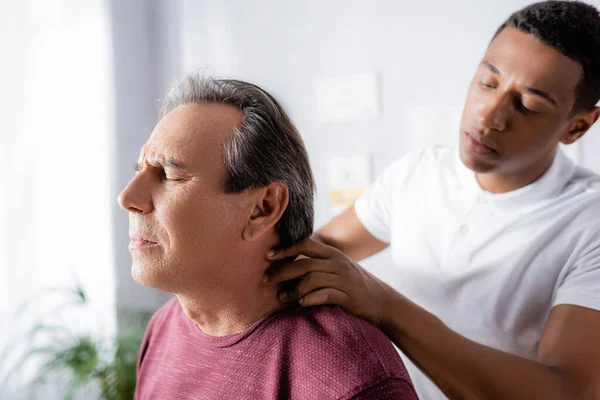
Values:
[(80, 361)]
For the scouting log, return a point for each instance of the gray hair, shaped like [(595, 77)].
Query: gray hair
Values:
[(265, 148)]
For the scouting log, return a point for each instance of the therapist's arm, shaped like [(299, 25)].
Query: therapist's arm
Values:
[(567, 364), (347, 234)]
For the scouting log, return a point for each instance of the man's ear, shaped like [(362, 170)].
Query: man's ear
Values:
[(270, 204), (580, 125)]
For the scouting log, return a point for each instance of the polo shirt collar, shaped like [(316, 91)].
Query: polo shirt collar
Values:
[(549, 185)]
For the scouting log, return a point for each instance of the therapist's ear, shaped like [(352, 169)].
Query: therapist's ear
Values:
[(580, 125), (270, 203)]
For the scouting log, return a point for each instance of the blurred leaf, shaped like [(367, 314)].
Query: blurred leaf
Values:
[(79, 360), (76, 296), (81, 295), (46, 350), (23, 307), (50, 330)]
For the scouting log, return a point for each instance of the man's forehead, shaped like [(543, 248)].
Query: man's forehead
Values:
[(190, 133), (162, 146), (520, 53)]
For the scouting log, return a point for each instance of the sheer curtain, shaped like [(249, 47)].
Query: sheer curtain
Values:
[(56, 116)]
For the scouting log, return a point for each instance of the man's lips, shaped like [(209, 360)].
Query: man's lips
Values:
[(141, 242), (479, 145)]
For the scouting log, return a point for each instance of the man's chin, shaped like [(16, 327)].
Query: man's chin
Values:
[(476, 164), (144, 276)]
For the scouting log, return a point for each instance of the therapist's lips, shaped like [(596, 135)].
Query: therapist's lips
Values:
[(476, 146), (140, 243)]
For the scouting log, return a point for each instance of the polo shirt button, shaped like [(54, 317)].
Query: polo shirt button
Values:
[(464, 230), (481, 200)]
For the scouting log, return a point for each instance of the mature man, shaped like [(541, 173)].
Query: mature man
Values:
[(497, 245), (223, 178)]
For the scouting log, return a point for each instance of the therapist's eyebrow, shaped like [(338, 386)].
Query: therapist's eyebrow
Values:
[(542, 94), (536, 92), (491, 67)]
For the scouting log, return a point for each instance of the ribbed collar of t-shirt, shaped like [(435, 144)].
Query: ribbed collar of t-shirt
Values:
[(548, 186), (228, 340)]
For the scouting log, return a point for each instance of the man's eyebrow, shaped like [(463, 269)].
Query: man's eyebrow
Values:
[(168, 163), (175, 163), (542, 94), (537, 92), (491, 67)]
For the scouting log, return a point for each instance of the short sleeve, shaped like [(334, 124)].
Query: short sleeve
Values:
[(581, 286), (375, 208), (389, 389)]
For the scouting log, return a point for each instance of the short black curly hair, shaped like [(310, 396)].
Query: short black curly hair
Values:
[(573, 28)]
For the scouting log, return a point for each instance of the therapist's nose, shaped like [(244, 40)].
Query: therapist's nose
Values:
[(494, 112)]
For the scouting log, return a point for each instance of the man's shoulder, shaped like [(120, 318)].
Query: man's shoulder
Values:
[(327, 320), (583, 191), (352, 355), (337, 339), (587, 179), (337, 322)]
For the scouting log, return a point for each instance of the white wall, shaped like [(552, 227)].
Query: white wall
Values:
[(425, 53), (55, 153), (147, 57)]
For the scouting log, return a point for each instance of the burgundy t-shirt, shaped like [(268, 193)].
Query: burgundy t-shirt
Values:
[(294, 353)]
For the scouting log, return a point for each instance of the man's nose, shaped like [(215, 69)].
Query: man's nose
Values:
[(494, 112), (136, 197)]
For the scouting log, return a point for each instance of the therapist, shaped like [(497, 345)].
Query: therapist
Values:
[(496, 246)]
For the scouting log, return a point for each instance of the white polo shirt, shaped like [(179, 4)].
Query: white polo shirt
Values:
[(490, 266)]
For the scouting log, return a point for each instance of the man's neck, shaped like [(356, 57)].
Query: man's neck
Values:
[(227, 312), (508, 182)]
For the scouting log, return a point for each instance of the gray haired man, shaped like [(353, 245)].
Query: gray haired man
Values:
[(224, 178)]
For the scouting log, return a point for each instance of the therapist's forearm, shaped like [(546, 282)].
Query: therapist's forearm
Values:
[(463, 369)]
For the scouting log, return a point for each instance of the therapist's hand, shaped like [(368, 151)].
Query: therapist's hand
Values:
[(327, 276)]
